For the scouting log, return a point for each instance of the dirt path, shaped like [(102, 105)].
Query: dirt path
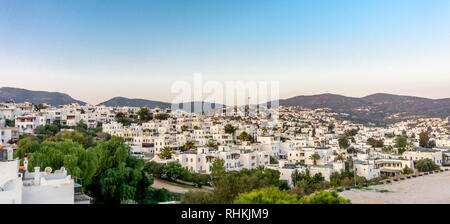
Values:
[(172, 187), (430, 189)]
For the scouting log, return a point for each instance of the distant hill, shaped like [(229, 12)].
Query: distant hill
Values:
[(332, 101), (36, 97), (122, 101), (380, 107), (377, 108)]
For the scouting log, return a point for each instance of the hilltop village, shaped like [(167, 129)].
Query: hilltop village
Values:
[(300, 141)]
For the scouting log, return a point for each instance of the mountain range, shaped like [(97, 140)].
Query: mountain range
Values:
[(122, 101), (378, 108), (36, 97)]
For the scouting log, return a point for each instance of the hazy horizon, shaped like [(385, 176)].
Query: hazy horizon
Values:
[(96, 50), (169, 101)]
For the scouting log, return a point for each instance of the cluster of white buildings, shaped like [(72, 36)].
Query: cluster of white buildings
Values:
[(286, 144)]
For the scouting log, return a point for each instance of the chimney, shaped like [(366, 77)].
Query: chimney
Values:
[(37, 175), (25, 162)]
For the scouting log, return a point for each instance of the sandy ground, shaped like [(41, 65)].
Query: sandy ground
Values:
[(430, 189)]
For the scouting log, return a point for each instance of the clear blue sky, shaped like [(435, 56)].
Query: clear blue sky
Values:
[(95, 50)]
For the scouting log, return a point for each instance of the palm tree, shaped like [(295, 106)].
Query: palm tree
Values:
[(340, 157), (315, 157), (189, 145), (211, 144), (166, 152), (229, 129)]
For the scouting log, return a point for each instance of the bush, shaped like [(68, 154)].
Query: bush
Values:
[(324, 197), (197, 197), (273, 195), (426, 165)]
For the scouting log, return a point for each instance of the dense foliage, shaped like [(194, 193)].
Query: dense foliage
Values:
[(400, 141), (165, 153), (270, 195), (375, 143), (425, 165), (75, 159), (144, 115), (162, 116), (244, 136), (174, 172), (343, 142), (273, 195), (424, 139), (105, 168), (228, 185), (229, 129)]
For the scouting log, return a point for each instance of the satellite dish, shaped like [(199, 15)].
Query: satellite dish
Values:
[(48, 170)]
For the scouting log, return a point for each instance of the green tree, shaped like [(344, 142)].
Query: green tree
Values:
[(68, 154), (388, 148), (274, 195), (230, 185), (343, 142), (166, 152), (174, 171), (400, 141), (218, 169), (306, 184), (315, 157), (401, 151), (197, 197), (213, 145), (119, 176), (124, 121), (10, 123), (273, 160), (229, 129), (189, 146), (375, 143), (80, 137), (423, 139), (45, 131), (426, 165), (244, 136), (331, 127), (270, 195), (324, 197), (144, 115), (351, 132), (431, 144), (162, 116), (108, 171), (339, 157), (351, 150), (407, 170)]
